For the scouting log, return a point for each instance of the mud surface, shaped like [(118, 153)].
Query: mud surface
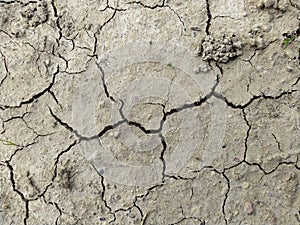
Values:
[(149, 112)]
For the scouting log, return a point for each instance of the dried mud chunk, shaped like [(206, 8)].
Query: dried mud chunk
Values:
[(256, 36), (266, 3), (35, 14), (269, 4), (221, 49)]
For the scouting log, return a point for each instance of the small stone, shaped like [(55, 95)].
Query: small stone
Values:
[(201, 68), (239, 53), (204, 68), (208, 48), (197, 70), (216, 58), (245, 185), (226, 58), (228, 48), (226, 41), (237, 44), (236, 159), (268, 3), (248, 208)]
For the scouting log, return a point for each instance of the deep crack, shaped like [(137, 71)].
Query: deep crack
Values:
[(13, 183), (247, 135), (35, 96), (209, 17), (254, 97), (148, 6), (164, 144)]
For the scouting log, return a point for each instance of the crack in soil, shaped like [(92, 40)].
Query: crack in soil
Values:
[(254, 97), (124, 120), (209, 18), (13, 183), (35, 96)]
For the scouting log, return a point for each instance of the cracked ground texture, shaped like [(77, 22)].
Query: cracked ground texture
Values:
[(49, 48)]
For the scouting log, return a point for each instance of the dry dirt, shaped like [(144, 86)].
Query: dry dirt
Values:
[(149, 112)]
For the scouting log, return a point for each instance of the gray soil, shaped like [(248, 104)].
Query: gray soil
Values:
[(149, 112)]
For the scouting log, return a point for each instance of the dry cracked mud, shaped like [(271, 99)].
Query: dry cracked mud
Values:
[(149, 112)]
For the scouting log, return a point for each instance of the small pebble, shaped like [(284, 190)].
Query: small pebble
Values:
[(245, 185), (248, 208), (204, 68), (197, 70), (236, 159)]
